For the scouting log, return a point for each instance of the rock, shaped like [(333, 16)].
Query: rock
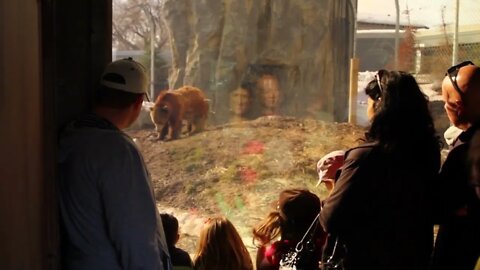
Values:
[(217, 45)]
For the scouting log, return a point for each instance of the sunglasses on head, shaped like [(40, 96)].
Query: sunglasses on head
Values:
[(378, 77), (452, 73)]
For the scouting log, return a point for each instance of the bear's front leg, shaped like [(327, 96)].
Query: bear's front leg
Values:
[(164, 132), (175, 129)]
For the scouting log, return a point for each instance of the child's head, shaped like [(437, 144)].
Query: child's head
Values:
[(170, 227), (220, 244), (297, 208), (298, 205)]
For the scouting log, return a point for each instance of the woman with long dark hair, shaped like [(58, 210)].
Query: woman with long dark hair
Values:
[(381, 205)]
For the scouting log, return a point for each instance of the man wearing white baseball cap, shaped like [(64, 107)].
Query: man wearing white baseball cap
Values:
[(109, 218)]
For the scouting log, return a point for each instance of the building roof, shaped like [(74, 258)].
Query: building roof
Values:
[(378, 24), (378, 33), (437, 36)]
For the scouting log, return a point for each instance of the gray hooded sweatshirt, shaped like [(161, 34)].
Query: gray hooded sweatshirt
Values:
[(108, 214)]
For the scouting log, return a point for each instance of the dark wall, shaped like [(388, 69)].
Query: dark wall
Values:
[(21, 176), (51, 54), (76, 45)]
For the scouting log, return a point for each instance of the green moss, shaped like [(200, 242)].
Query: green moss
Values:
[(230, 174)]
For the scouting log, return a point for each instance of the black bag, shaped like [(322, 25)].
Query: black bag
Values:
[(304, 256), (333, 254)]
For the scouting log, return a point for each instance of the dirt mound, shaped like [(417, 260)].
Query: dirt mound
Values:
[(238, 170)]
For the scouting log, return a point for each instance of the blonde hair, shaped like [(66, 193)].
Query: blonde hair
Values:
[(220, 247)]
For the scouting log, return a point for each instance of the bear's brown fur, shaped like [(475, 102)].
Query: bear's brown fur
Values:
[(172, 107)]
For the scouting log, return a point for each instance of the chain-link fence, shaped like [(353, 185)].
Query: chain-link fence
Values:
[(436, 59), (435, 47)]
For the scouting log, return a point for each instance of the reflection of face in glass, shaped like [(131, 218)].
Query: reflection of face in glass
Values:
[(239, 101), (270, 92)]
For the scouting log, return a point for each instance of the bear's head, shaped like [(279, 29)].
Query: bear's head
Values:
[(160, 114)]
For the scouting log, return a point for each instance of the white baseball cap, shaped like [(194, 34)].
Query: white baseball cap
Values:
[(328, 165), (126, 75)]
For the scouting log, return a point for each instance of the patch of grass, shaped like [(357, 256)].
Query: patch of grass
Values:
[(192, 167), (192, 187)]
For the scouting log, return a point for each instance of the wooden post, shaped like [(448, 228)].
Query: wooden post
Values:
[(353, 91)]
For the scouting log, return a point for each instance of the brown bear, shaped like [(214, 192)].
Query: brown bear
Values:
[(172, 107)]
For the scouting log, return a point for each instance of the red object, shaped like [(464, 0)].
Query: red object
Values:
[(253, 147), (248, 175)]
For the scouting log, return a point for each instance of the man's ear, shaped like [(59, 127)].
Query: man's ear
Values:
[(138, 102)]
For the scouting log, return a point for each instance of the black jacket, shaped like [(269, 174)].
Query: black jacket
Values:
[(381, 207), (458, 240)]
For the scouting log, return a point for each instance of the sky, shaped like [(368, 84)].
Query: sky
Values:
[(423, 12)]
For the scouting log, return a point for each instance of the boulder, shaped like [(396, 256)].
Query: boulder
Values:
[(306, 44)]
